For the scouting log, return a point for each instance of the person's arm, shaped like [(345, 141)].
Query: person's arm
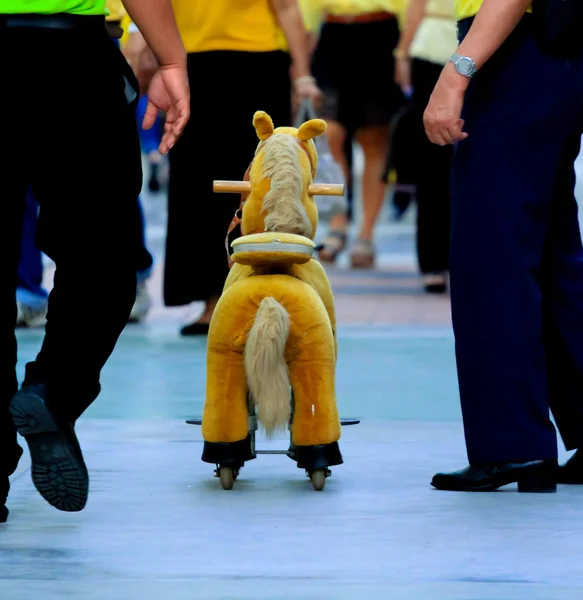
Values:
[(413, 17), (494, 22), (290, 20), (169, 89), (312, 16), (155, 21)]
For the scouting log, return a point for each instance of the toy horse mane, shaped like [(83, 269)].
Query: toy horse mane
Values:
[(282, 205), (278, 204)]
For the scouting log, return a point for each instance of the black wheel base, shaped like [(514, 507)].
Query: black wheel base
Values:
[(229, 454), (316, 458)]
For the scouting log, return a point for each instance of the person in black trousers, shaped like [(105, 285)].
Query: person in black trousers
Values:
[(433, 179), (86, 125), (219, 146), (516, 251), (241, 55), (426, 43)]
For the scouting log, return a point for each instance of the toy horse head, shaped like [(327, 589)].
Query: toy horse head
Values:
[(285, 165)]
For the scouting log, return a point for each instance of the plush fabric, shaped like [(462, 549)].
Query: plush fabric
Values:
[(274, 327)]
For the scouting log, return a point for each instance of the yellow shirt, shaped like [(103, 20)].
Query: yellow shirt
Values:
[(315, 11), (469, 8), (466, 8), (242, 25)]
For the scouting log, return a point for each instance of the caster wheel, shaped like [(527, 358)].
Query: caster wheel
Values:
[(227, 477), (318, 479)]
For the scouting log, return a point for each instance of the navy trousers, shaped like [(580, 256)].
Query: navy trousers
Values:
[(516, 255)]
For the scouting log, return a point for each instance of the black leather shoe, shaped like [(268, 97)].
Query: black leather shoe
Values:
[(58, 469), (572, 471), (538, 476), (195, 328)]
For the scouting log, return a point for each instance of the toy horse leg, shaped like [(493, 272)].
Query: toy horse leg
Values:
[(225, 423), (316, 425)]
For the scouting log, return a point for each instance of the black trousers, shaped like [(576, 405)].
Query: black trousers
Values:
[(432, 177), (67, 128), (348, 152), (218, 143)]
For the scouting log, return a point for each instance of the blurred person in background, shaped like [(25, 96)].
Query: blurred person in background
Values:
[(239, 53), (32, 299), (150, 139), (86, 225), (354, 66), (428, 39)]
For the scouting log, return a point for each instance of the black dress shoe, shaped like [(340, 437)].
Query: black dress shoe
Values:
[(195, 328), (58, 469), (572, 471), (534, 476)]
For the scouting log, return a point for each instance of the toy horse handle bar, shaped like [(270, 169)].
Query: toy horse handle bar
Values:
[(244, 187)]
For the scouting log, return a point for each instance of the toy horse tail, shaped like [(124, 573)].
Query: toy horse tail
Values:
[(266, 367)]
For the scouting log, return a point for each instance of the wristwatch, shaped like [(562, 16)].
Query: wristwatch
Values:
[(464, 65)]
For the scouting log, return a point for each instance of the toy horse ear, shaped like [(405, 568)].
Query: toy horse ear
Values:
[(311, 129), (263, 125)]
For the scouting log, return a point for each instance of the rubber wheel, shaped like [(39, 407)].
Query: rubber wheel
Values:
[(226, 477), (318, 479)]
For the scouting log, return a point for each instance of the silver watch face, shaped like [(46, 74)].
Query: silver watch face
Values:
[(465, 65)]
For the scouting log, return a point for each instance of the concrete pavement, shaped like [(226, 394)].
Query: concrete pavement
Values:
[(158, 525)]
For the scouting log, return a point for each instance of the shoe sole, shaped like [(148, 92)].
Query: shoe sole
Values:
[(58, 474)]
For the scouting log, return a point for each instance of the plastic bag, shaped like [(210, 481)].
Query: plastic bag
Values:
[(329, 171)]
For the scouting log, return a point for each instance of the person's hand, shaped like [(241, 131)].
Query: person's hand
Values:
[(170, 93), (403, 75), (442, 121), (306, 88)]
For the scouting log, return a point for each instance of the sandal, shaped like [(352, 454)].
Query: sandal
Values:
[(362, 255), (332, 246), (435, 283)]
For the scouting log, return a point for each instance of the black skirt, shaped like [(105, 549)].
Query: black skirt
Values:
[(354, 67), (218, 143)]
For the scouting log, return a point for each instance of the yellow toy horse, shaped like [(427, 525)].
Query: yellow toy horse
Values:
[(272, 344)]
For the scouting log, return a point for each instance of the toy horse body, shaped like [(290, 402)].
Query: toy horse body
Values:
[(273, 330)]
